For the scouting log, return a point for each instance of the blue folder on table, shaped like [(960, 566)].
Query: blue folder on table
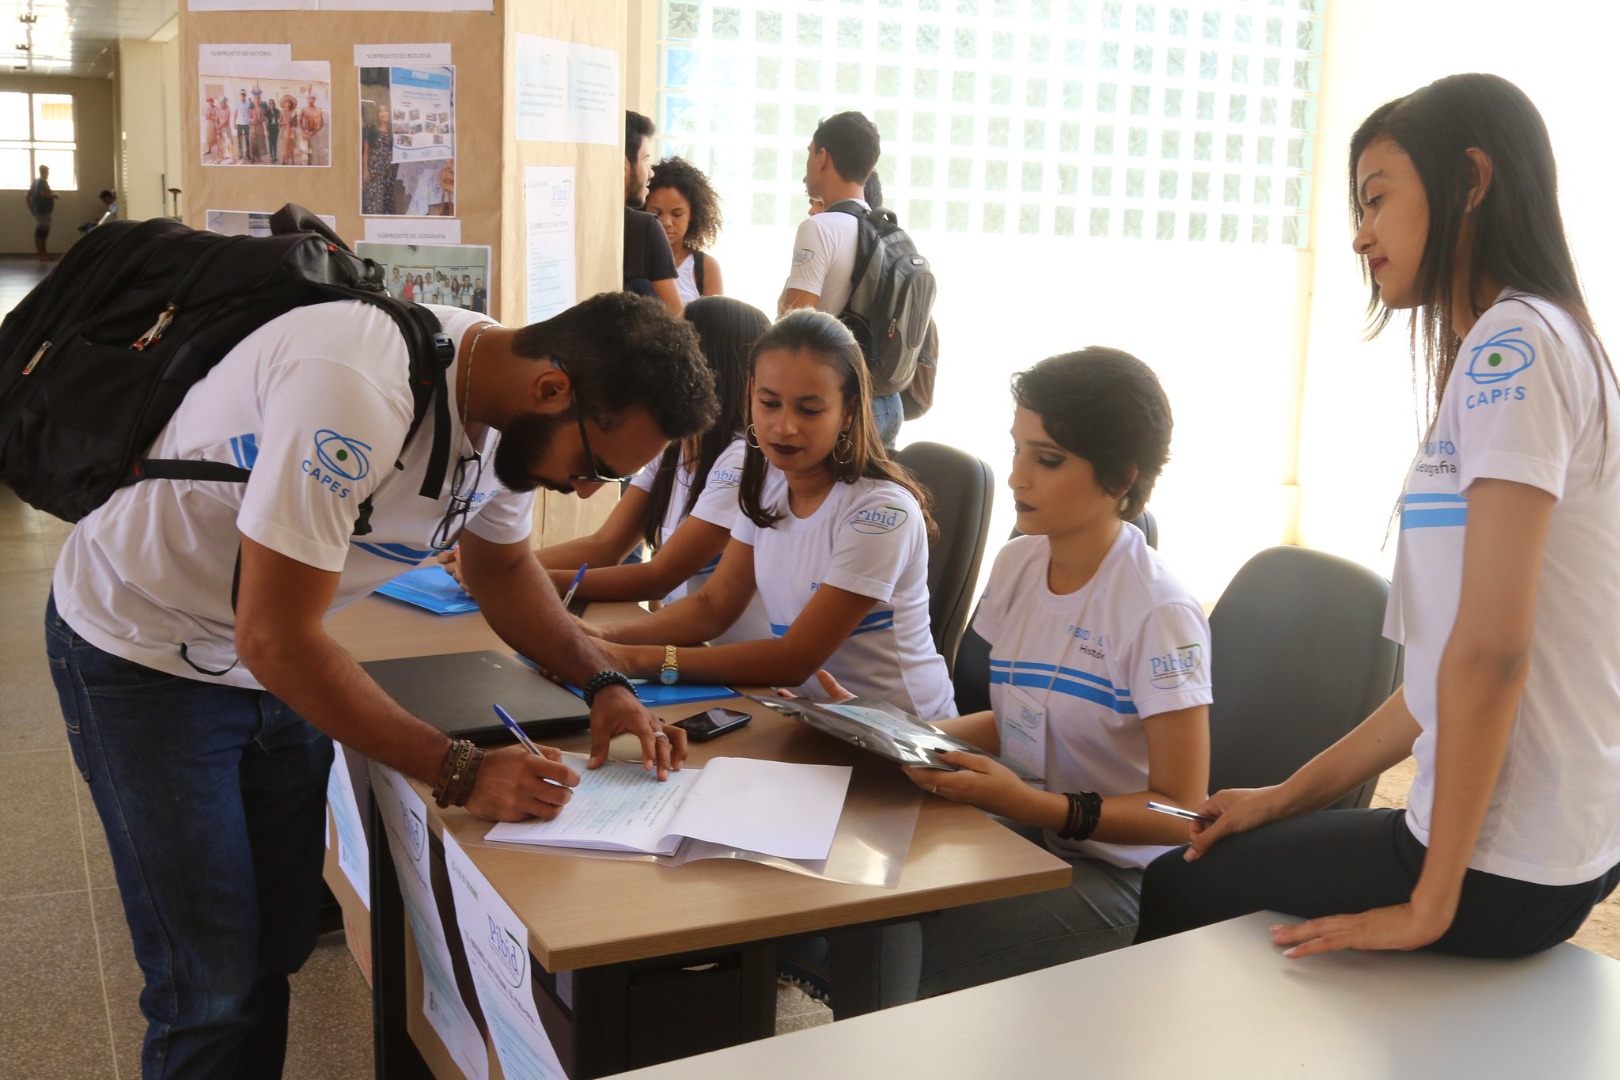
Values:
[(651, 693), (430, 587)]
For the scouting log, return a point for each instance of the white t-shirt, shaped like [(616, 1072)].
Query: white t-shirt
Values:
[(686, 279), (1130, 644), (867, 538), (824, 258), (316, 402), (717, 505), (1523, 405)]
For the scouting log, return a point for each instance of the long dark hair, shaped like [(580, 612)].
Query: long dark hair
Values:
[(1518, 230), (827, 341), (726, 331)]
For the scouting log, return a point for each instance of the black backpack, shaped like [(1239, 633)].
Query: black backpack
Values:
[(98, 356), (890, 299)]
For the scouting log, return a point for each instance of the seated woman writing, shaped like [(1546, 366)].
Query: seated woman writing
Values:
[(684, 503), (832, 536)]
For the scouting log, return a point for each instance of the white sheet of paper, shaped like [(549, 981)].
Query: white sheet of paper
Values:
[(593, 95), (541, 72), (341, 5), (498, 954), (413, 231), (777, 807), (404, 818), (548, 207), (353, 855), (619, 806)]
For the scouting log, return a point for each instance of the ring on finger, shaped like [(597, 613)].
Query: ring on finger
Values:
[(661, 735)]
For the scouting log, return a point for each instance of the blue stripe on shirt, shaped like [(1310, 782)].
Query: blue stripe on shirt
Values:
[(1432, 510), (382, 552)]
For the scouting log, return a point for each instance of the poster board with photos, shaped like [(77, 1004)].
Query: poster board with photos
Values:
[(490, 160)]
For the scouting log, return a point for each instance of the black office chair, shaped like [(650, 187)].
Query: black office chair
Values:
[(1299, 660), (970, 673), (963, 490)]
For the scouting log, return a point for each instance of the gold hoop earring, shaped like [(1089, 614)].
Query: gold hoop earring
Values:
[(751, 437), (847, 445)]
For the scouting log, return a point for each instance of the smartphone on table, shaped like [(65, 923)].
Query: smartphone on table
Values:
[(712, 723)]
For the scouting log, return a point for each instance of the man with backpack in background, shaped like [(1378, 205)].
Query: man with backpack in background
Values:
[(856, 263), (42, 204), (185, 626)]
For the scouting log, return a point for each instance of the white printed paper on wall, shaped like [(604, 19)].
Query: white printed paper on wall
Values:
[(548, 208), (567, 92), (354, 858)]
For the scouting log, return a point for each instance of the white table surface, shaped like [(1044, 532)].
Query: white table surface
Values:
[(1223, 1002)]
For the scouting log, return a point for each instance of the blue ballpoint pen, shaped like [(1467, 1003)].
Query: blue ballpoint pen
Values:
[(579, 576), (506, 718)]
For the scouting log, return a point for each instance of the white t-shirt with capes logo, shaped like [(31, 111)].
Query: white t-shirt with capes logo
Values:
[(316, 402), (1523, 404)]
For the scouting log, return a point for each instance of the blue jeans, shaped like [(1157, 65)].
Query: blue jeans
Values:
[(887, 413), (213, 799)]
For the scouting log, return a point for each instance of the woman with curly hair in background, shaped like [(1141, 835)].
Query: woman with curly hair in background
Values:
[(688, 208)]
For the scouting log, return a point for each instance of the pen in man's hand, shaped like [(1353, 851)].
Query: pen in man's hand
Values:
[(506, 718), (579, 576)]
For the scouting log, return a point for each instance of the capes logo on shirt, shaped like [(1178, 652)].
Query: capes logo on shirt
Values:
[(1496, 361), (878, 520), (337, 458), (802, 255), (1176, 668)]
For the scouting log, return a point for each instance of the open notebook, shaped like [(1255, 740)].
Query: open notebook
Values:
[(772, 807)]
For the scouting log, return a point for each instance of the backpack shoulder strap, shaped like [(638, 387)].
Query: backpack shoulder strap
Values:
[(697, 271)]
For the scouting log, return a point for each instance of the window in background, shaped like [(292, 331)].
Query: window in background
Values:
[(1134, 174), (35, 130)]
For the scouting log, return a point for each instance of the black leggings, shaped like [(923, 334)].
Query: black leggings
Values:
[(1340, 862)]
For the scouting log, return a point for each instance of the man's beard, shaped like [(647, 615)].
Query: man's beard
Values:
[(524, 441)]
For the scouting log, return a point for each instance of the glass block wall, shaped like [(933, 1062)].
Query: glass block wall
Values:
[(1108, 119)]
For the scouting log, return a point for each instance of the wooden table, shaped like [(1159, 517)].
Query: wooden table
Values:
[(605, 921), (1223, 1002)]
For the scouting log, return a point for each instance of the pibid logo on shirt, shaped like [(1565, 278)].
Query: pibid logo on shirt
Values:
[(879, 519), (725, 478), (1174, 669), (337, 458)]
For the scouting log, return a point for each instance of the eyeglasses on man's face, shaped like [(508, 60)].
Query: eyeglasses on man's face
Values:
[(599, 472)]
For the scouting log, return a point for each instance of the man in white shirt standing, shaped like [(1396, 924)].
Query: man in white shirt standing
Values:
[(842, 154)]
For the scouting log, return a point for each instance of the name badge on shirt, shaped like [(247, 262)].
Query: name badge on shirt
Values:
[(1022, 723)]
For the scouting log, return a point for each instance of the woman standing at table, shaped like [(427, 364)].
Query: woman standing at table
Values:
[(832, 535), (1507, 579), (684, 503)]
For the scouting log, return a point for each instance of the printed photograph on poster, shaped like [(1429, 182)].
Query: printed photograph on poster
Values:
[(248, 222), (264, 112), (341, 5), (408, 141), (454, 275)]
